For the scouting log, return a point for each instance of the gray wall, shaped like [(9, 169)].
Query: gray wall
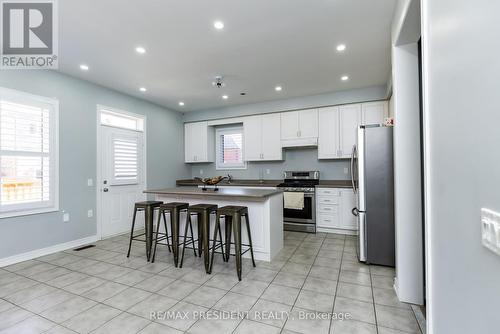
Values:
[(462, 137), (77, 156), (295, 159)]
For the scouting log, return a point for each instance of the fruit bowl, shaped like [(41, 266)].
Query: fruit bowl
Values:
[(210, 182)]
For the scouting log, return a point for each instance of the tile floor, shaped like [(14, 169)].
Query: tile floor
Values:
[(99, 290)]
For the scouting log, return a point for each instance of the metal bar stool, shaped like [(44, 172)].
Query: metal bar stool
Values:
[(203, 212), (148, 207), (232, 218), (174, 209)]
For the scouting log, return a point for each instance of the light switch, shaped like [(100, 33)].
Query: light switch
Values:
[(268, 171), (490, 230), (346, 170), (90, 213), (90, 182), (65, 217), (201, 171)]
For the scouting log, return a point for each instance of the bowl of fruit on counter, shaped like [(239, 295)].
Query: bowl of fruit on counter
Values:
[(211, 182)]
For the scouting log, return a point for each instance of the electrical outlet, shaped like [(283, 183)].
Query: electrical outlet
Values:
[(65, 217), (346, 170), (201, 171), (268, 171), (490, 230), (90, 182), (90, 213)]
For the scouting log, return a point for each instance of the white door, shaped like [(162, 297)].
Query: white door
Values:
[(308, 123), (374, 112), (289, 125), (350, 118), (122, 178), (328, 139), (253, 138), (271, 134)]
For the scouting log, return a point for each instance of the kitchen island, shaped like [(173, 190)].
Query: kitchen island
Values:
[(265, 209)]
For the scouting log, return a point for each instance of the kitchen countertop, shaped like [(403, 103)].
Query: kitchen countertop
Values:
[(223, 193), (266, 183)]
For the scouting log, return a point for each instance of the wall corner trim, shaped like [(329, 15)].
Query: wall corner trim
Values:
[(6, 261)]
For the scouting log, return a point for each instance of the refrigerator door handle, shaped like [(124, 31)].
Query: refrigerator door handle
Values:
[(352, 168), (355, 212)]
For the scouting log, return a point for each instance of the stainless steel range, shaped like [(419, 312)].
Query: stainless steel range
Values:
[(301, 214)]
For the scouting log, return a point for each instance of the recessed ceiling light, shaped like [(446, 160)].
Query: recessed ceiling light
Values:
[(181, 104), (84, 67), (225, 97), (341, 47), (219, 25), (143, 89), (344, 78), (140, 50), (278, 88)]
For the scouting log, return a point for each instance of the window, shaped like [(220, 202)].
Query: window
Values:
[(120, 120), (28, 154), (229, 149), (125, 160)]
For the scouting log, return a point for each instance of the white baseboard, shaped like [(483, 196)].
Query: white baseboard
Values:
[(6, 261), (336, 231)]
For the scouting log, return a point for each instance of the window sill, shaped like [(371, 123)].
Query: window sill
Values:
[(14, 214)]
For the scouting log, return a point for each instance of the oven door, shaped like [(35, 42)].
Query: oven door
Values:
[(306, 216)]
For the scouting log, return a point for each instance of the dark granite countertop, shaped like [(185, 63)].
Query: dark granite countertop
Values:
[(222, 193), (266, 183)]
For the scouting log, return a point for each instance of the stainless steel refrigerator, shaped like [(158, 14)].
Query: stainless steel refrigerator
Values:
[(373, 182)]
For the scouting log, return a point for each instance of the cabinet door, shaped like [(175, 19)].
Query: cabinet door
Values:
[(271, 137), (196, 142), (189, 154), (328, 135), (308, 123), (347, 203), (350, 119), (253, 138), (289, 125), (373, 112)]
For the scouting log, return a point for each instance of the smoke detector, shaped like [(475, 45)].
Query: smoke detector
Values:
[(218, 82)]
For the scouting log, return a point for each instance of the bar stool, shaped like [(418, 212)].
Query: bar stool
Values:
[(148, 207), (174, 209), (232, 218), (203, 212)]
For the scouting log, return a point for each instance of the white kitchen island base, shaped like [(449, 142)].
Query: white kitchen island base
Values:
[(265, 215)]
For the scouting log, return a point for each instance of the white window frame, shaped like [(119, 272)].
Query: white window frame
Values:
[(16, 210), (219, 165)]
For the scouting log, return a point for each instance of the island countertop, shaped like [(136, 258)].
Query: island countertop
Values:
[(226, 193)]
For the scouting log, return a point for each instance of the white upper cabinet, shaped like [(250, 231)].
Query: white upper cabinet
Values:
[(329, 135), (299, 128), (289, 125), (374, 112), (262, 137), (271, 137), (350, 119), (252, 137), (199, 142), (308, 123)]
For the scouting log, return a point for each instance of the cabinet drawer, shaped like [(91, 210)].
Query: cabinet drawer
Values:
[(328, 209), (328, 192), (328, 200), (325, 220)]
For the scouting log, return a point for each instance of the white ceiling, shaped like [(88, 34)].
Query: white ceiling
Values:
[(265, 43)]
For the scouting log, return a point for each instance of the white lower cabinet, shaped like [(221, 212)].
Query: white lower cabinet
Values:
[(333, 210)]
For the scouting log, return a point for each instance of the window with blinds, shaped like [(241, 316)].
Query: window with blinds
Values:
[(28, 146), (125, 161), (229, 148)]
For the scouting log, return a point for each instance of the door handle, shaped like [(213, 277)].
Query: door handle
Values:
[(105, 190), (355, 212)]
